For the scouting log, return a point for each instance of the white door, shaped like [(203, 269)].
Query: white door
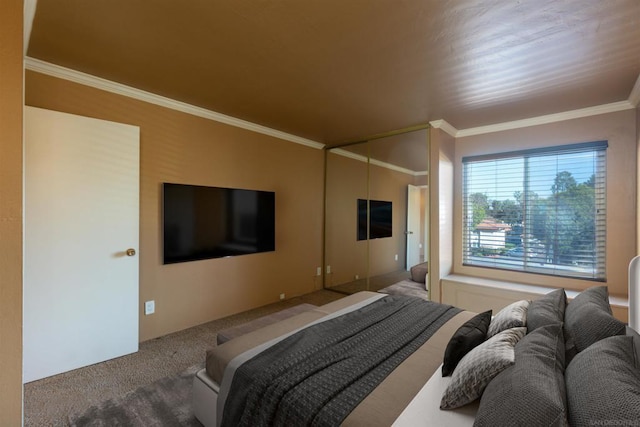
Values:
[(413, 226), (81, 214)]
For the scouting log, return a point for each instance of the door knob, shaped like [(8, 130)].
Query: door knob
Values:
[(131, 252)]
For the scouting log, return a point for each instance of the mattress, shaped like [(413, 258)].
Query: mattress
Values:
[(388, 400)]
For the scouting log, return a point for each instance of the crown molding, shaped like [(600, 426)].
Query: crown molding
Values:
[(549, 118), (445, 126), (131, 92), (393, 167), (349, 154), (364, 159), (631, 103)]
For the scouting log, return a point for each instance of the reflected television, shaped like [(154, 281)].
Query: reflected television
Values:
[(380, 219)]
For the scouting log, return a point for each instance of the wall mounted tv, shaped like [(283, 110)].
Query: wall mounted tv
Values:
[(380, 219), (211, 222)]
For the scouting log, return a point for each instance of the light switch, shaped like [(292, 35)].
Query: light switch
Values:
[(149, 307)]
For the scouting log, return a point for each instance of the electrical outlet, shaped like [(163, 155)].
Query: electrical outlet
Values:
[(318, 271), (149, 307), (281, 296), (396, 257), (328, 269), (357, 277)]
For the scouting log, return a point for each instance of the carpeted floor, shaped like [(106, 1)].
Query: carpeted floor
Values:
[(50, 401), (375, 283), (166, 403)]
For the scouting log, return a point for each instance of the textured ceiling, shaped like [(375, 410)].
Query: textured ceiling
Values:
[(336, 70), (408, 150)]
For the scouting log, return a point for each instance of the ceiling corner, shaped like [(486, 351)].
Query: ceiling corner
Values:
[(445, 126), (29, 13)]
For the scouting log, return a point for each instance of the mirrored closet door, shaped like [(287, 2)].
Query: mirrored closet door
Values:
[(376, 211)]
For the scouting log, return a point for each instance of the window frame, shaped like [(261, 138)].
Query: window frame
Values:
[(598, 269)]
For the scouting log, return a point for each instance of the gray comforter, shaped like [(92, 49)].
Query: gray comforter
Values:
[(318, 375)]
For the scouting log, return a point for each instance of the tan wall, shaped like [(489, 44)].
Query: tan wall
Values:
[(433, 278), (441, 197), (620, 130), (446, 203), (347, 182), (11, 84), (180, 148), (389, 185)]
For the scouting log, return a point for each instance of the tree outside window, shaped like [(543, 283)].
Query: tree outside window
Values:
[(539, 211)]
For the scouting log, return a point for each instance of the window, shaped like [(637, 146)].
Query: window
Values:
[(539, 211)]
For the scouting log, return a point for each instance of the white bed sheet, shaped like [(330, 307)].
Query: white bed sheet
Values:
[(424, 409)]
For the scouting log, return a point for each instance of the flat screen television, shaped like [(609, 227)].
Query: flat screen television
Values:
[(380, 219), (211, 222)]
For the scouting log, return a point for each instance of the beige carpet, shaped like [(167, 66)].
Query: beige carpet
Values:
[(164, 403), (50, 401), (375, 283)]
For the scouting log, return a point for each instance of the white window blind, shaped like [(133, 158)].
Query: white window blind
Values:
[(539, 211)]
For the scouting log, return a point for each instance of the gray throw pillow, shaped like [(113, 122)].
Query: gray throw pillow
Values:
[(636, 340), (547, 309), (532, 391), (603, 384), (479, 367), (588, 319), (419, 272), (468, 336), (512, 316)]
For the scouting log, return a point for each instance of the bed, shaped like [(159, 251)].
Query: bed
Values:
[(541, 362)]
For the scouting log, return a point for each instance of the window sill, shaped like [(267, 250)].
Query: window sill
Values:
[(479, 294)]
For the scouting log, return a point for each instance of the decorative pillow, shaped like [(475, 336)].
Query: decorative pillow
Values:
[(419, 272), (547, 309), (603, 384), (588, 319), (532, 391), (636, 340), (479, 367), (512, 316), (466, 338)]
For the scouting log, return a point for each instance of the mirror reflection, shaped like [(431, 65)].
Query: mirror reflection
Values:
[(376, 230)]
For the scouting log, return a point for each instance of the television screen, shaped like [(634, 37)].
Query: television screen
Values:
[(380, 219), (210, 222)]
